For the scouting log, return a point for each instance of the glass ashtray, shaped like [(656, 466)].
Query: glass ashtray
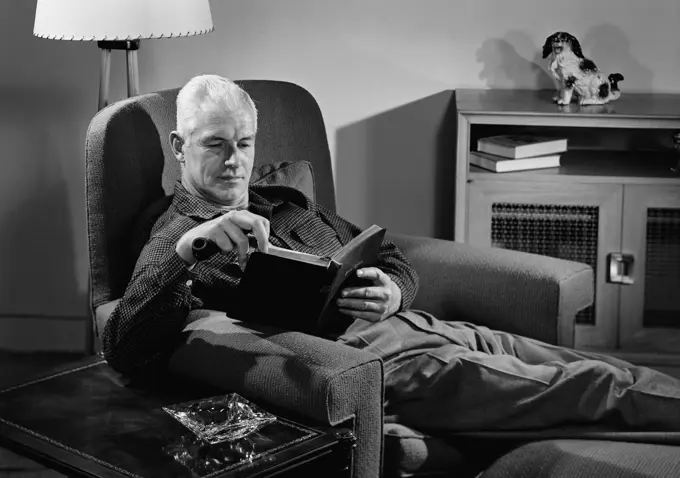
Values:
[(221, 418)]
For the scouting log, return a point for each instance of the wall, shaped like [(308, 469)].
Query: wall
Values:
[(382, 71)]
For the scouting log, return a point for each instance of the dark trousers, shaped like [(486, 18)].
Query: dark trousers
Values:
[(457, 376)]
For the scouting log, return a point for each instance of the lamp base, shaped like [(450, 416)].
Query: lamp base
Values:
[(118, 44), (130, 47)]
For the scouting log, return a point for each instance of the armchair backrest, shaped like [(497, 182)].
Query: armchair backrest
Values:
[(129, 166)]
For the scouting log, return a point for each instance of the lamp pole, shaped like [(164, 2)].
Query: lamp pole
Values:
[(130, 47)]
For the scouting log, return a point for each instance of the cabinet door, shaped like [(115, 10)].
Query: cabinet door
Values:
[(650, 306), (578, 222)]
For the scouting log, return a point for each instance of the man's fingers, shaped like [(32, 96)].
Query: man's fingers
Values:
[(261, 232), (374, 274), (362, 305), (248, 221), (364, 293), (222, 240), (239, 238)]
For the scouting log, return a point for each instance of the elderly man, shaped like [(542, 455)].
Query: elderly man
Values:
[(438, 375)]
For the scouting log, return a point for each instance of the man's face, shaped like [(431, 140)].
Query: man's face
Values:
[(218, 156)]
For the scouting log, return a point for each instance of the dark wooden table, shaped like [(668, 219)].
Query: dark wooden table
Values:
[(85, 420)]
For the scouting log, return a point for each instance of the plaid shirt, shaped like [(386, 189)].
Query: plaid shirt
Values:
[(145, 327)]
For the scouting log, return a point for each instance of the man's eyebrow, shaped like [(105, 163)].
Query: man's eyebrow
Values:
[(211, 137), (218, 137)]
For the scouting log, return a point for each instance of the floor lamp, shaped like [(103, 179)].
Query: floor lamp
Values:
[(120, 25)]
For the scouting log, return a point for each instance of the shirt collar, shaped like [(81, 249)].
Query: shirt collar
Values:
[(198, 208)]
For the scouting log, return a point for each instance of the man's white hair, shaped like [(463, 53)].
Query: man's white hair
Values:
[(205, 91)]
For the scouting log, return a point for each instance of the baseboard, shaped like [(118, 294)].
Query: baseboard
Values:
[(38, 334)]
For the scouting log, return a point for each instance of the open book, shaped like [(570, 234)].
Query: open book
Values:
[(296, 290)]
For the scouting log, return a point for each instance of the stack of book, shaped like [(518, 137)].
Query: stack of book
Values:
[(513, 152)]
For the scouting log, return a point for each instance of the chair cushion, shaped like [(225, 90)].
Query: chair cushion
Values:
[(586, 458), (410, 453), (295, 174)]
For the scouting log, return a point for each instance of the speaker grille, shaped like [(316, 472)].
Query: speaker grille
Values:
[(662, 269), (562, 231)]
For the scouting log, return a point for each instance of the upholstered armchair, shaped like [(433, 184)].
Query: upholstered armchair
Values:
[(130, 168)]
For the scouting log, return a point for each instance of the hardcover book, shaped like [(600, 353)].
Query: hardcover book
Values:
[(297, 291), (499, 164), (521, 146)]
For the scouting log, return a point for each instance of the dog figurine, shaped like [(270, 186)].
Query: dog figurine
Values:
[(577, 74)]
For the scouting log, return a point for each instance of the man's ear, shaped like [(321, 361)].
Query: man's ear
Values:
[(176, 144)]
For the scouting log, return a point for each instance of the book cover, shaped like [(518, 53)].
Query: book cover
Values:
[(521, 146), (297, 291), (500, 164)]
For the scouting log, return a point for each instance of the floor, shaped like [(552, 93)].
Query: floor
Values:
[(16, 368)]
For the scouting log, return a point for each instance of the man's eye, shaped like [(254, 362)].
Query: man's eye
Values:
[(244, 145), (213, 145)]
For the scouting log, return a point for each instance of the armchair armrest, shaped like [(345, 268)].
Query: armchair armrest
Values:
[(313, 377), (528, 294)]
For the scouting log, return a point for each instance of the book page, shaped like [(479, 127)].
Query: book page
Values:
[(298, 256)]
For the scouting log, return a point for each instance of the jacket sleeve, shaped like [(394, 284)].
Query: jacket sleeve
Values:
[(391, 261), (143, 328)]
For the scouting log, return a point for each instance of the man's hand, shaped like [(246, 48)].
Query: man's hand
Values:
[(374, 302), (229, 232)]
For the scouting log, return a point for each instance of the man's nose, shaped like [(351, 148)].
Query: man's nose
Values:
[(230, 155)]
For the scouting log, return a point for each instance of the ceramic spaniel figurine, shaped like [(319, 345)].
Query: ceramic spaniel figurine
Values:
[(576, 74)]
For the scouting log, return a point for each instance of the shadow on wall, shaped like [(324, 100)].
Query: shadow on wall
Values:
[(608, 46), (505, 68), (396, 169), (41, 150)]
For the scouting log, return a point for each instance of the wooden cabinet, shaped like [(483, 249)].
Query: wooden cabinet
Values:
[(576, 222), (650, 236), (613, 204)]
